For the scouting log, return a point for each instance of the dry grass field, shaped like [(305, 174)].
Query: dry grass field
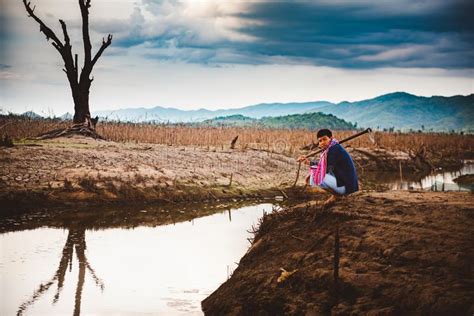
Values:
[(277, 140)]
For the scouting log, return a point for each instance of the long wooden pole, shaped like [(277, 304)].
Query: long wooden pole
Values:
[(368, 130)]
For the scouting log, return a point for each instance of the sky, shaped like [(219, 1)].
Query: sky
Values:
[(217, 54)]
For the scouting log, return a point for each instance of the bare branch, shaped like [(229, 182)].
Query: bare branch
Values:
[(105, 44), (85, 5), (98, 281), (66, 53), (56, 46), (66, 36), (43, 28), (43, 287)]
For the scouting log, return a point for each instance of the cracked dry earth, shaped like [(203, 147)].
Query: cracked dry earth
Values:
[(47, 164)]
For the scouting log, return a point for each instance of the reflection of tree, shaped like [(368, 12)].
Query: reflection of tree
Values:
[(76, 239)]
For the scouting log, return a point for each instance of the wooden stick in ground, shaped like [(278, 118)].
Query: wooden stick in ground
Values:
[(297, 174), (336, 261), (232, 144)]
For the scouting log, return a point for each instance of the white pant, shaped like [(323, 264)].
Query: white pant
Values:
[(330, 182)]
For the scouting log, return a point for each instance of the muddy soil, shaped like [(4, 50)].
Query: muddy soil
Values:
[(467, 179), (400, 253)]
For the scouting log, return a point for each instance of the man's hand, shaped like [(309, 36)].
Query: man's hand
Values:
[(303, 159)]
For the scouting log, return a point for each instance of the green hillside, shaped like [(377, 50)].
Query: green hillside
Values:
[(312, 121)]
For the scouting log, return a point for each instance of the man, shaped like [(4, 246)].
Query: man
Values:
[(335, 172)]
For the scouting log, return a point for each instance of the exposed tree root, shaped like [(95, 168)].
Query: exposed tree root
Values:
[(77, 129)]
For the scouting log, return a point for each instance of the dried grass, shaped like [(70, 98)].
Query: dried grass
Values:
[(273, 140)]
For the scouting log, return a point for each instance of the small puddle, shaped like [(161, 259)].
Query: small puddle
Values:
[(165, 270), (437, 181)]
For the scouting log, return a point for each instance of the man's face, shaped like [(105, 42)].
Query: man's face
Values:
[(324, 142)]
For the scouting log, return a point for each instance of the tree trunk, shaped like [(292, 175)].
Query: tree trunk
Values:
[(81, 105)]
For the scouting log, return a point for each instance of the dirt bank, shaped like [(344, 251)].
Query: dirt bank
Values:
[(400, 253), (467, 179), (70, 171)]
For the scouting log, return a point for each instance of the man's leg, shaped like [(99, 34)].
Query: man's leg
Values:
[(330, 185)]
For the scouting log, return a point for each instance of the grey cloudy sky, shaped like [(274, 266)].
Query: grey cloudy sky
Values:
[(214, 54)]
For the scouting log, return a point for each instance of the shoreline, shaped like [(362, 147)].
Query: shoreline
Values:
[(19, 202), (119, 216)]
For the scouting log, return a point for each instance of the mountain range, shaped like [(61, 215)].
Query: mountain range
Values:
[(164, 114), (398, 110), (393, 111)]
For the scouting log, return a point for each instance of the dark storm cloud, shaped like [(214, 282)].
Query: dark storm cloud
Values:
[(363, 35), (346, 34)]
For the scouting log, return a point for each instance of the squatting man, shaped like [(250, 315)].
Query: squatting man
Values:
[(335, 172)]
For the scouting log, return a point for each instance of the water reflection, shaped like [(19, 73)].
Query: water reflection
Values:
[(76, 240), (437, 181), (167, 269)]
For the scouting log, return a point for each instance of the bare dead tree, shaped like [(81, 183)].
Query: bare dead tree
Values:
[(79, 82)]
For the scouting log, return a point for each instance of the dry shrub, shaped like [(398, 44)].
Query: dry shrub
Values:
[(88, 184), (68, 185)]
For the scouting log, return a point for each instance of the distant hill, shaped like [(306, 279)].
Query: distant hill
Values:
[(162, 114), (405, 111), (237, 120), (310, 121), (31, 115), (66, 116)]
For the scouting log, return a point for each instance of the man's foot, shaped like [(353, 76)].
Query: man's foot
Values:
[(316, 190), (332, 199)]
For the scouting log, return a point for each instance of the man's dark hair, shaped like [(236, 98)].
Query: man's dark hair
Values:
[(324, 132)]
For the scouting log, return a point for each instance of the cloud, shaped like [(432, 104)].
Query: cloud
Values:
[(175, 29), (336, 33), (353, 34)]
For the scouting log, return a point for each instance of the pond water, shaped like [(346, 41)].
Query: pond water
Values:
[(166, 270), (436, 181)]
